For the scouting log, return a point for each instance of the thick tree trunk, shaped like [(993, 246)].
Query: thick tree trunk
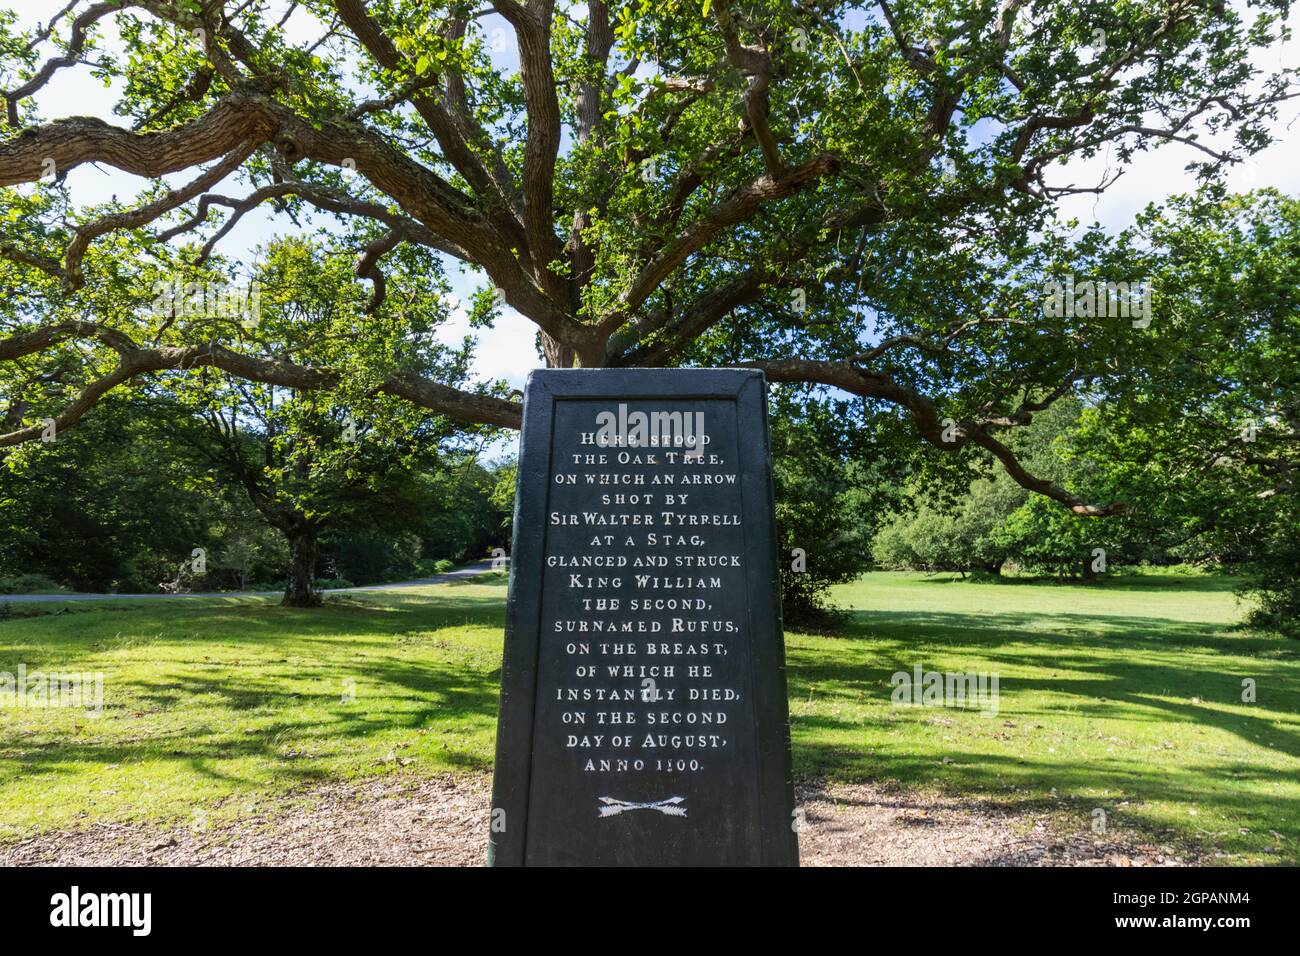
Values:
[(300, 591), (559, 355)]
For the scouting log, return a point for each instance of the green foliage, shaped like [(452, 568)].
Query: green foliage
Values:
[(893, 170), (465, 520), (1192, 428), (333, 583), (356, 470), (828, 489), (107, 507), (368, 557), (932, 539), (28, 584), (1199, 432), (1275, 590), (992, 519), (502, 497), (201, 460)]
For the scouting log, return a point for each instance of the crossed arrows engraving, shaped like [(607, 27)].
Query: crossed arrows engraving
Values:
[(669, 808)]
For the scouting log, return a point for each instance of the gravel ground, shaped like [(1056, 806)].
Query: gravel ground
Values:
[(443, 821), (871, 825)]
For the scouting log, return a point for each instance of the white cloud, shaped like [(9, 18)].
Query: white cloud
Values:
[(506, 350), (1155, 175)]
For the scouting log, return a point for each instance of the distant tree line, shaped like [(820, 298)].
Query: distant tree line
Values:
[(1198, 436), (126, 504)]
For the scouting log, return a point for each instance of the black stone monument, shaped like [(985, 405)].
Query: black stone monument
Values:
[(643, 701)]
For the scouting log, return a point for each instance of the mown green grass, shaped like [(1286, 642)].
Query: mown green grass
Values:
[(1124, 696), (210, 706)]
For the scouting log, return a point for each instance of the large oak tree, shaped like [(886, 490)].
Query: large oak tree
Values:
[(848, 195)]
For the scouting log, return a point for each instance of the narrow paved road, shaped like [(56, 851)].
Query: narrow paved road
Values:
[(466, 571)]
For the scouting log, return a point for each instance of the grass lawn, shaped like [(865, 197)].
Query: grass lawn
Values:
[(1125, 697), (240, 698)]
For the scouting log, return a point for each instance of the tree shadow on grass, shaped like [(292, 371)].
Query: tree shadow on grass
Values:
[(1149, 671), (274, 680), (1128, 664), (1020, 783), (46, 644), (428, 694), (995, 627)]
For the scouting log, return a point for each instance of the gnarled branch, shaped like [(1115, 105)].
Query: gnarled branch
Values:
[(927, 420)]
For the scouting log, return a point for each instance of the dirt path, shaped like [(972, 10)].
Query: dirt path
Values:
[(443, 822), (459, 574)]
